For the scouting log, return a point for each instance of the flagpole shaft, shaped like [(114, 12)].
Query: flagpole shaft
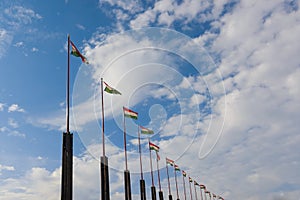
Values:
[(102, 105), (125, 148), (152, 179), (158, 173), (169, 187), (176, 182), (68, 88), (195, 192), (184, 190), (191, 191), (139, 138), (201, 193)]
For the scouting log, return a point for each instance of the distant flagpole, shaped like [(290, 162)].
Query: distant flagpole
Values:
[(184, 190), (160, 193), (201, 193), (195, 190), (190, 188), (68, 89), (175, 173), (153, 190), (169, 186), (142, 181)]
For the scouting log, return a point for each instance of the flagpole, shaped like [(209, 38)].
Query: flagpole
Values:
[(201, 193), (176, 182), (126, 172), (169, 187), (67, 145), (195, 191), (104, 160), (153, 191), (142, 181), (184, 190), (160, 193), (190, 190)]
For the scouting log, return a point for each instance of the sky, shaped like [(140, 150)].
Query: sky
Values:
[(217, 81)]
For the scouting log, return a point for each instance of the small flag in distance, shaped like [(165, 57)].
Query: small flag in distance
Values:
[(202, 186), (146, 130), (110, 90), (129, 113), (190, 179), (169, 161), (153, 147), (183, 173), (75, 52), (176, 167)]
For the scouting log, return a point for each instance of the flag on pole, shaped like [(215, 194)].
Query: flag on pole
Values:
[(195, 183), (183, 173), (129, 113), (206, 191), (202, 187), (214, 195), (176, 167), (190, 179), (75, 52), (146, 131), (169, 161), (153, 147), (110, 90)]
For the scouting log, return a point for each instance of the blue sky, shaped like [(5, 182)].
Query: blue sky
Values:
[(218, 82)]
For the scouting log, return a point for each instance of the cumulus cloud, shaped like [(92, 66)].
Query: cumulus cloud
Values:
[(15, 108)]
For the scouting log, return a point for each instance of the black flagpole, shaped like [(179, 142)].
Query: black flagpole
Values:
[(190, 189), (153, 190), (169, 187), (126, 172), (176, 182), (104, 160), (160, 193), (67, 146), (142, 181), (184, 190)]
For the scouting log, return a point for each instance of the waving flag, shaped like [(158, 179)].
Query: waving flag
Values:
[(190, 179), (75, 52), (169, 161), (195, 183), (110, 90), (183, 173), (153, 147), (202, 187), (146, 131), (129, 113), (176, 167)]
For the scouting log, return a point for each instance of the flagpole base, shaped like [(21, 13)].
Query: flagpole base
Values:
[(161, 195), (153, 192), (67, 167), (170, 197), (127, 185), (142, 189), (104, 179)]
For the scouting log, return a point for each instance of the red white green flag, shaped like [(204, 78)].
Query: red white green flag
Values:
[(195, 183), (190, 179), (110, 90), (169, 161), (153, 147), (183, 173), (75, 52), (146, 131), (176, 167), (214, 195), (202, 187), (129, 113)]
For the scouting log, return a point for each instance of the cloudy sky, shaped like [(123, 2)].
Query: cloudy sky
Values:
[(217, 81)]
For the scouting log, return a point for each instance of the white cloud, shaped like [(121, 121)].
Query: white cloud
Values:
[(2, 105), (13, 123), (15, 108)]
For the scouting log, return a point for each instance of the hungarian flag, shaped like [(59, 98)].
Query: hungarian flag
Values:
[(195, 183), (202, 187), (221, 198), (183, 173), (169, 161), (206, 191), (75, 52), (110, 90), (146, 131), (190, 179), (153, 147), (176, 167), (214, 195), (130, 113)]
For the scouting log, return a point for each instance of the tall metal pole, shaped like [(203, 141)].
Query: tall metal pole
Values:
[(126, 172), (160, 193), (176, 182), (142, 181), (184, 190), (169, 186), (201, 193), (195, 191), (67, 145), (153, 190), (103, 159), (191, 190)]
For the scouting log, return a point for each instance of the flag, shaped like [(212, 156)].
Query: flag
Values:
[(110, 90), (176, 167), (190, 179), (130, 113), (169, 161), (195, 183), (214, 195), (183, 173), (75, 52), (146, 131), (206, 191), (153, 147), (202, 187)]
